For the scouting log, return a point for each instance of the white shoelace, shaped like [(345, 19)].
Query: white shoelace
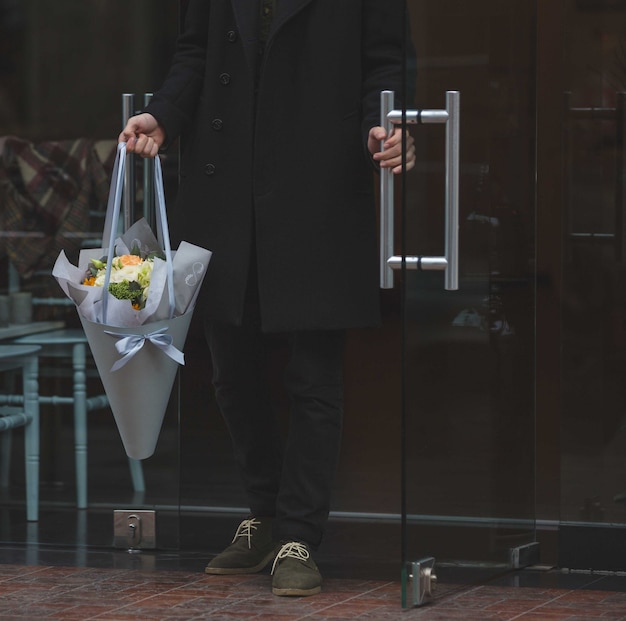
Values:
[(245, 530), (293, 549)]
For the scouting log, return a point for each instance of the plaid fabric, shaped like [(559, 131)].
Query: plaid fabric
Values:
[(47, 191)]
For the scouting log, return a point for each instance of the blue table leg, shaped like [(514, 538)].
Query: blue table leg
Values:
[(80, 423), (31, 436)]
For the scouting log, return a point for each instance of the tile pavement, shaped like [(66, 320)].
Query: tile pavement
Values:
[(85, 593)]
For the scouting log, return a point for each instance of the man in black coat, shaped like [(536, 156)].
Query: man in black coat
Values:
[(277, 106)]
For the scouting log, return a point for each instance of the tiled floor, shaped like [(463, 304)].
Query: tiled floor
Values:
[(147, 592)]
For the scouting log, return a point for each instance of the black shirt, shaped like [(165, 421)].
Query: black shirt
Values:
[(267, 8)]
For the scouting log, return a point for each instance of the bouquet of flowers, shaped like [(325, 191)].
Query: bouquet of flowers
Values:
[(135, 299), (130, 276)]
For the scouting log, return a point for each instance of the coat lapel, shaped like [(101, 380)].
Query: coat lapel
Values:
[(285, 10), (247, 17), (248, 25)]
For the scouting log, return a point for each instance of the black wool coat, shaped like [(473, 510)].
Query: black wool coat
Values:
[(274, 157)]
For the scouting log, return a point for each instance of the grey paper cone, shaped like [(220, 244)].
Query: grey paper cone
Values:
[(138, 392)]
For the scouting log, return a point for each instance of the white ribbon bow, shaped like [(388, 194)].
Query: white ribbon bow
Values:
[(129, 344)]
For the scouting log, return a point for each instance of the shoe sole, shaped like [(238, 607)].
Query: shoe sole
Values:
[(233, 571), (296, 592)]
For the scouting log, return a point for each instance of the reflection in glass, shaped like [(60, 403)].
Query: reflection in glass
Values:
[(593, 309), (62, 74), (470, 354)]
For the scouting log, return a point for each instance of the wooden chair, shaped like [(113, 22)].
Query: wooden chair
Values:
[(23, 358), (72, 344)]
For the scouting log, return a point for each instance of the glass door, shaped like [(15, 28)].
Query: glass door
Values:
[(63, 71), (468, 354), (593, 90), (458, 364)]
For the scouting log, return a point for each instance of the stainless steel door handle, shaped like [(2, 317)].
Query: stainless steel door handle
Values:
[(450, 262)]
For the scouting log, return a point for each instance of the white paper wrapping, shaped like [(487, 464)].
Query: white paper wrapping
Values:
[(139, 391), (137, 352)]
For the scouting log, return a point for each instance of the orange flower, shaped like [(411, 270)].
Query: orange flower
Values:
[(130, 259), (91, 281)]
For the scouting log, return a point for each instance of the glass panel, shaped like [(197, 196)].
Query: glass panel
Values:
[(469, 371), (63, 69), (468, 355), (594, 276)]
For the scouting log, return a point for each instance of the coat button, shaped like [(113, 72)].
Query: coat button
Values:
[(225, 78), (217, 124), (231, 36), (209, 169)]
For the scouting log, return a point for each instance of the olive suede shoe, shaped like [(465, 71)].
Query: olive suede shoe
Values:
[(251, 549), (294, 572)]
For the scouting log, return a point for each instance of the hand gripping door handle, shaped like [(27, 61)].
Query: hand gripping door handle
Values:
[(450, 262)]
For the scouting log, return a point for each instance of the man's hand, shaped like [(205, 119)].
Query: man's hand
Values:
[(391, 157), (143, 135)]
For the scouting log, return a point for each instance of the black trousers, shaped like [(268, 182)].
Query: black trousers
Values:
[(287, 478)]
